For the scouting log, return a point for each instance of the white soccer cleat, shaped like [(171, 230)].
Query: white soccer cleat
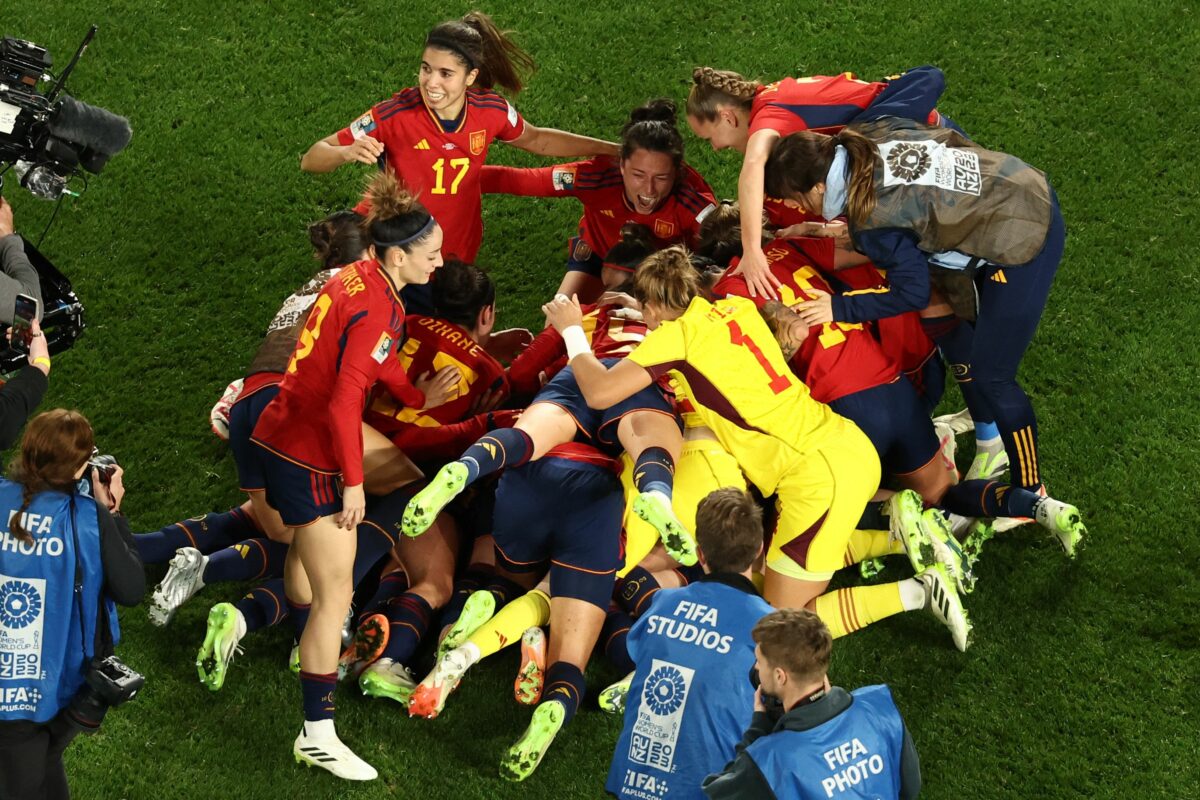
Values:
[(942, 599), (184, 578), (956, 423), (988, 464), (327, 751), (219, 416), (430, 695), (390, 679)]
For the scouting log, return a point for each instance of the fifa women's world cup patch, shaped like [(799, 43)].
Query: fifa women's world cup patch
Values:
[(363, 125), (563, 178), (383, 347)]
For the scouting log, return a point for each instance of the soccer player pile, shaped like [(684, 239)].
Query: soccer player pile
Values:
[(537, 491)]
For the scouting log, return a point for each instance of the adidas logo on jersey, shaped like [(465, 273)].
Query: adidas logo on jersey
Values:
[(421, 145), (607, 213)]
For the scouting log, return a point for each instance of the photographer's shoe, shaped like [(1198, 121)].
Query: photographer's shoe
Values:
[(322, 748), (226, 627), (390, 679), (184, 578)]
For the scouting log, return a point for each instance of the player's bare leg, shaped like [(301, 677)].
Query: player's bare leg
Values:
[(385, 467)]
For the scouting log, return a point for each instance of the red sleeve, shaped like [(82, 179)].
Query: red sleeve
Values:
[(363, 126), (525, 374), (356, 374), (513, 125), (536, 182)]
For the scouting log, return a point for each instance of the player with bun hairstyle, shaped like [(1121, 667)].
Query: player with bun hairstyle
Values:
[(311, 435), (436, 135), (648, 185), (915, 195), (820, 466), (730, 111)]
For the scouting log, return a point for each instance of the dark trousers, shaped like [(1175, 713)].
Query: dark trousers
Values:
[(31, 765)]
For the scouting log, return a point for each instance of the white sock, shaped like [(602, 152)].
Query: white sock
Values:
[(319, 729), (470, 652), (912, 594)]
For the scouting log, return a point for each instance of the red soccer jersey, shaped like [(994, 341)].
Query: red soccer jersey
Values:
[(837, 358), (347, 345), (598, 185), (610, 334), (903, 338), (434, 344), (441, 165)]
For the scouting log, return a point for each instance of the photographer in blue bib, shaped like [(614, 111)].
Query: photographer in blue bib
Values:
[(828, 742), (65, 558)]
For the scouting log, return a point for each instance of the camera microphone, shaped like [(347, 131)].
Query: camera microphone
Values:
[(101, 132)]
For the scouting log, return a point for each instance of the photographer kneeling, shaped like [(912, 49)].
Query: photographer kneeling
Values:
[(64, 558)]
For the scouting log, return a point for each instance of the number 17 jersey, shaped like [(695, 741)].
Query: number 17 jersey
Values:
[(441, 164)]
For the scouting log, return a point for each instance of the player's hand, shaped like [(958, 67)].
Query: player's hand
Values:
[(759, 280), (562, 312), (619, 299), (831, 230), (6, 218), (354, 507), (817, 311), (487, 401), (506, 345), (439, 387), (112, 493), (365, 150)]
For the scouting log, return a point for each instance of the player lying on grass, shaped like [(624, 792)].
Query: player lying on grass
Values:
[(648, 185), (820, 466)]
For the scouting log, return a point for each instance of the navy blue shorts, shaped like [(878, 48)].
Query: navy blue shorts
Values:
[(580, 257), (300, 495), (929, 380), (565, 514), (599, 428), (243, 416), (894, 418), (914, 95)]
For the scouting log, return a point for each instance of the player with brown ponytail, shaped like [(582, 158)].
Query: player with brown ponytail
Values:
[(436, 135), (732, 112)]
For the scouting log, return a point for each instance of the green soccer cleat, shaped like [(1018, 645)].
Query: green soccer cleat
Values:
[(423, 509), (226, 627), (870, 568), (1063, 520), (942, 599), (479, 608), (978, 532), (612, 699), (946, 549), (531, 677), (987, 465), (523, 757), (294, 659), (390, 679), (655, 508)]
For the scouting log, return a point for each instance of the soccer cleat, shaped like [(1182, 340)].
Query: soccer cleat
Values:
[(531, 677), (655, 508), (523, 757), (944, 602), (184, 578), (423, 509), (390, 679), (612, 699), (987, 465), (430, 695), (366, 645), (956, 423), (294, 659), (870, 568), (978, 533), (226, 627), (1063, 520), (479, 608), (946, 549), (329, 753), (219, 416)]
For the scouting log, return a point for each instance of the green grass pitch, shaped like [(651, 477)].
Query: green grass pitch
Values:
[(1082, 679)]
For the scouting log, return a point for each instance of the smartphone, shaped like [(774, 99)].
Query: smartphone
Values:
[(24, 313)]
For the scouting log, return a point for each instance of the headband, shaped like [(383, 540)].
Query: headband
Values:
[(425, 229), (445, 43)]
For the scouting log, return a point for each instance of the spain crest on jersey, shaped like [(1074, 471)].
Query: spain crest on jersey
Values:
[(664, 228), (478, 142)]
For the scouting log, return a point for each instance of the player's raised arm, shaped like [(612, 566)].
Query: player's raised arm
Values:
[(601, 386), (561, 144)]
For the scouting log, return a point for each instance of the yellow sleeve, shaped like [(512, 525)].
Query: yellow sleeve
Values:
[(663, 349)]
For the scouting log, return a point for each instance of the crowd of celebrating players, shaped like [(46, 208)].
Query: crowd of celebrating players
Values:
[(472, 487)]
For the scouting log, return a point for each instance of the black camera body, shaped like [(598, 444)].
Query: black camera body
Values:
[(48, 139), (109, 682)]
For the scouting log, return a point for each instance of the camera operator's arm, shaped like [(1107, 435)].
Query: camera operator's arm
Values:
[(19, 275), (124, 576), (21, 395)]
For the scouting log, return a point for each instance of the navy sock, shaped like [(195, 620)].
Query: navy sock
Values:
[(613, 637), (251, 560), (298, 616), (506, 447), (473, 579), (654, 471), (504, 590), (390, 585), (635, 590), (408, 619), (989, 499), (565, 684), (264, 606), (318, 695), (955, 338), (207, 534)]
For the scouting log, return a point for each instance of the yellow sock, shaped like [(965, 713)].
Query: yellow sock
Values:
[(505, 628), (871, 544), (846, 610)]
